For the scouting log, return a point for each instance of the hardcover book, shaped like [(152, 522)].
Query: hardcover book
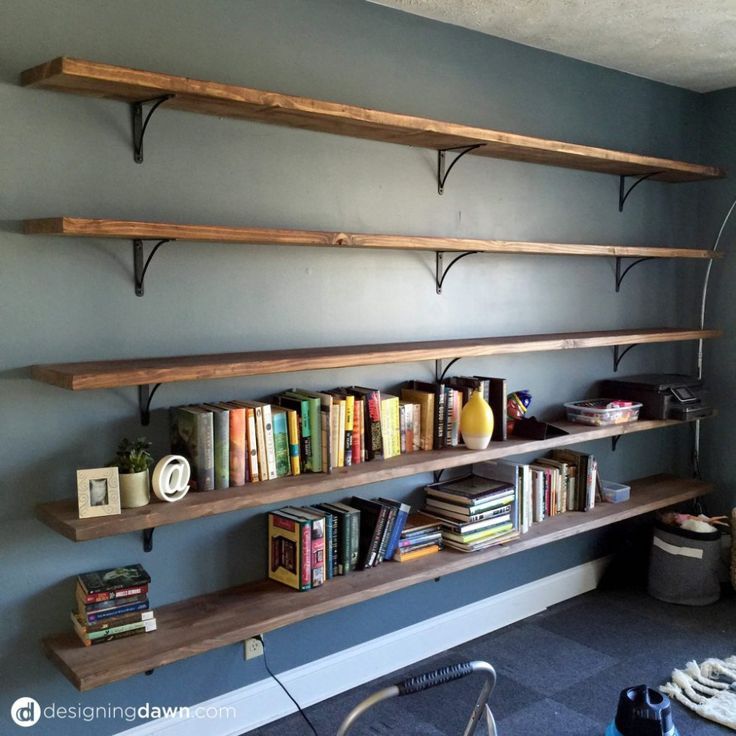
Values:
[(281, 441), (289, 550), (113, 579), (192, 436), (221, 435)]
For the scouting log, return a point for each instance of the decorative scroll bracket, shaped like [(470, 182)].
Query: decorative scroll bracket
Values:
[(439, 371), (623, 193), (618, 355), (620, 275), (148, 541), (139, 266), (443, 173), (140, 125), (145, 394), (439, 272)]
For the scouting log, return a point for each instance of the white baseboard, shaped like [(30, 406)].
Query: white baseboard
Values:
[(263, 702)]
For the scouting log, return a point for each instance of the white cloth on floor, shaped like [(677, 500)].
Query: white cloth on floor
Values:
[(708, 689)]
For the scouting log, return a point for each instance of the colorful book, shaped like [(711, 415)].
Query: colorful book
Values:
[(414, 554), (85, 608), (318, 564), (371, 419), (372, 523), (315, 464), (425, 399), (289, 550), (192, 437), (105, 624), (403, 511), (107, 595), (301, 410), (281, 441), (238, 454), (92, 616)]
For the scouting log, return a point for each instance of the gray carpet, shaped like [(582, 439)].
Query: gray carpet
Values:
[(559, 672)]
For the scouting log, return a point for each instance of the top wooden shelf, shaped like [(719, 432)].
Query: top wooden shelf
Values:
[(81, 227), (83, 77), (117, 373)]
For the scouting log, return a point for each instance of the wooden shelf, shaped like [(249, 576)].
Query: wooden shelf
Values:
[(132, 230), (211, 98), (137, 372), (218, 619), (63, 517)]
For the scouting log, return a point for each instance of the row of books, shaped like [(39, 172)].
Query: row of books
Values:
[(565, 480), (474, 512), (112, 604), (232, 443), (308, 545)]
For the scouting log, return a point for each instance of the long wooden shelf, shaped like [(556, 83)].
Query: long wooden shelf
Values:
[(137, 372), (95, 79), (131, 230), (63, 516), (225, 617)]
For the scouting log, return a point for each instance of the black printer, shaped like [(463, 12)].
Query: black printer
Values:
[(662, 395)]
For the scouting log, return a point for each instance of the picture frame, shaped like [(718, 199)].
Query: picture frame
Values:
[(98, 492)]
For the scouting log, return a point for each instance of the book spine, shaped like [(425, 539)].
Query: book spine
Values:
[(354, 538), (357, 424), (315, 419), (395, 426), (270, 444), (373, 439), (318, 557), (261, 443), (391, 513), (305, 556), (94, 616), (349, 424), (337, 447), (205, 452), (402, 428), (85, 608), (251, 434), (292, 418), (281, 443), (402, 514), (221, 447), (112, 637), (440, 414), (107, 595), (498, 402), (237, 447)]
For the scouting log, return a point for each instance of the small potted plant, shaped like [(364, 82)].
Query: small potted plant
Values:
[(133, 460)]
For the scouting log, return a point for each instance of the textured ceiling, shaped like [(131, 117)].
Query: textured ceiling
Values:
[(687, 43)]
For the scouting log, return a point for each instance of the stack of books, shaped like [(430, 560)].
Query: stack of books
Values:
[(308, 545), (112, 604), (232, 443), (474, 512), (565, 480), (421, 536)]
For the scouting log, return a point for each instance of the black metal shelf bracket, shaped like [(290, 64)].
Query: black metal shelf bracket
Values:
[(440, 372), (140, 266), (443, 173), (148, 673), (614, 442), (618, 355), (145, 394), (440, 272), (140, 125), (621, 274), (623, 192), (148, 539)]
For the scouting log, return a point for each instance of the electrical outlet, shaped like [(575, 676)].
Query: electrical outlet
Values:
[(253, 648)]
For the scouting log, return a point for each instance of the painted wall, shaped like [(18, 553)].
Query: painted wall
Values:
[(719, 118), (67, 300)]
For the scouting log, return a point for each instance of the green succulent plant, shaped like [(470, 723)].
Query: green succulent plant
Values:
[(133, 457)]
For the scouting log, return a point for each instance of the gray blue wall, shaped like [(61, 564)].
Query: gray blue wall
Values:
[(67, 300)]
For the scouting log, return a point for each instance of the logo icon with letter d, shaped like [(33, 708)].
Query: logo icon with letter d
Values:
[(25, 712)]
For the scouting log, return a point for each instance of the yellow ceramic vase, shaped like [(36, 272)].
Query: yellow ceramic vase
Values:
[(476, 422)]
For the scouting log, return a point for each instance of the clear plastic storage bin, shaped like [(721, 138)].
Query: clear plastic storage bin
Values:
[(615, 492), (602, 412)]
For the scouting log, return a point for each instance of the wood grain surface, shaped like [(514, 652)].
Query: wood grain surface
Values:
[(126, 229), (134, 372), (132, 85), (225, 617)]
